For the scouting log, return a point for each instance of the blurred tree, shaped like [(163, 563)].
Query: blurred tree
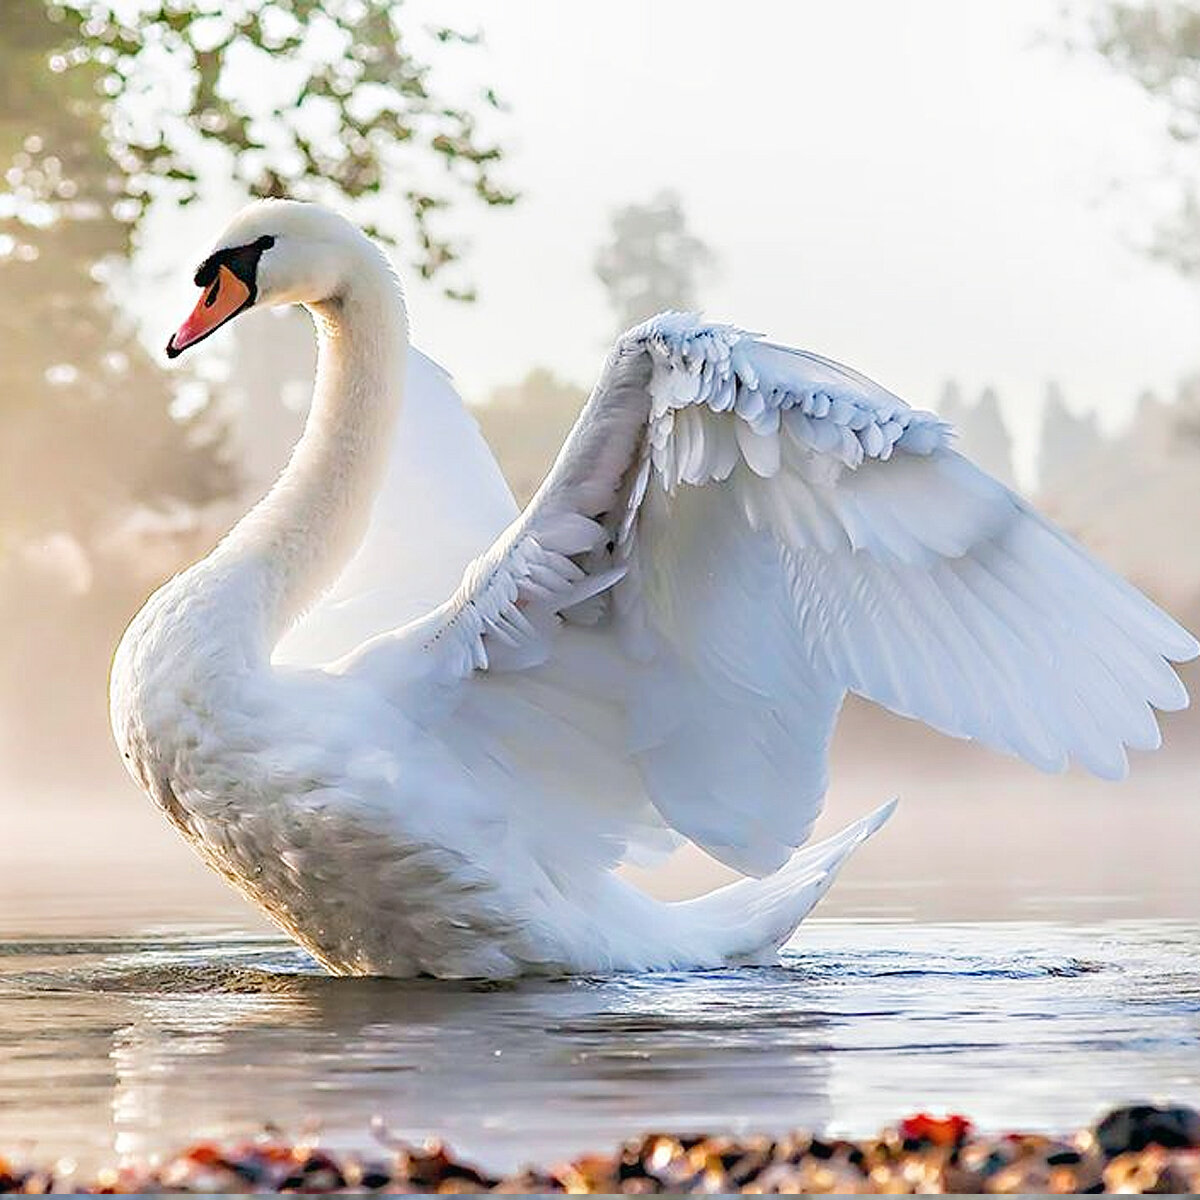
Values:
[(106, 107), (1185, 427), (87, 437), (526, 424), (981, 428), (1067, 444), (1156, 43), (989, 432), (341, 104), (653, 262), (953, 401), (85, 421)]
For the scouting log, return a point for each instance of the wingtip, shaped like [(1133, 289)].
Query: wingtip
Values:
[(1189, 648), (869, 825), (882, 814)]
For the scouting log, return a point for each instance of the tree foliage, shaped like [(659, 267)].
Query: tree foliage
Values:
[(109, 105), (85, 422), (315, 99), (653, 261), (1157, 45)]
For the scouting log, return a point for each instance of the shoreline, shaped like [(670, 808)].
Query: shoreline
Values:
[(1132, 1149)]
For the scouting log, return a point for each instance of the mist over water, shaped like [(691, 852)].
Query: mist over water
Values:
[(1020, 949)]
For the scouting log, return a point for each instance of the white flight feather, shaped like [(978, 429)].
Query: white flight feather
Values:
[(800, 533)]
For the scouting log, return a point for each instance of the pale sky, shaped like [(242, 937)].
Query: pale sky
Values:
[(921, 190)]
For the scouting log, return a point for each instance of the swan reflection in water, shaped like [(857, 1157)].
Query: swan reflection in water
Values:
[(504, 1073)]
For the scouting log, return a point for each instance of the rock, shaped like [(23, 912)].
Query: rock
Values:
[(1136, 1126)]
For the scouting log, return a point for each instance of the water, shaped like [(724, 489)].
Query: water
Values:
[(1027, 952), (133, 1044)]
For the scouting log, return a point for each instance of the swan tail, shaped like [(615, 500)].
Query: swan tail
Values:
[(748, 921)]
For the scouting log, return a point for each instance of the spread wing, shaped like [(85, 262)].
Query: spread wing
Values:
[(735, 535)]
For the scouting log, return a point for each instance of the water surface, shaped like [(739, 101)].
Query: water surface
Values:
[(135, 1043)]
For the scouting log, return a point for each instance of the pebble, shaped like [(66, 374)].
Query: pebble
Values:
[(1138, 1148)]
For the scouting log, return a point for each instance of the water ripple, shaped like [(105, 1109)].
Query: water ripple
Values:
[(139, 1042)]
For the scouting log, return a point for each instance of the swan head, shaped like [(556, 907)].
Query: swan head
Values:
[(274, 252)]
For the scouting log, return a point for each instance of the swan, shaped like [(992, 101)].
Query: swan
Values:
[(421, 729)]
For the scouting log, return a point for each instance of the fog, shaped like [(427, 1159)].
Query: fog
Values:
[(939, 194), (925, 190)]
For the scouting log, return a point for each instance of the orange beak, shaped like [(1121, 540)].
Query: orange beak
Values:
[(224, 298)]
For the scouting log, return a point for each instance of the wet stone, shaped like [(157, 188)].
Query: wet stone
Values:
[(1137, 1126), (1136, 1149)]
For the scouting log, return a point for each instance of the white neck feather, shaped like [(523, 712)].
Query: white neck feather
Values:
[(291, 546)]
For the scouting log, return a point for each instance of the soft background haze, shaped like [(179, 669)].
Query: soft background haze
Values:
[(924, 190), (931, 191)]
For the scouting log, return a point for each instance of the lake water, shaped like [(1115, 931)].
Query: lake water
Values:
[(135, 1043), (1024, 951)]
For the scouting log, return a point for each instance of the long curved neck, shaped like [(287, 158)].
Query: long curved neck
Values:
[(291, 546)]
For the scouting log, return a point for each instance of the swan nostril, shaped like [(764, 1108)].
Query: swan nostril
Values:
[(211, 298)]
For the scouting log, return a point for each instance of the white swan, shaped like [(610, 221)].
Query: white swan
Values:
[(734, 535)]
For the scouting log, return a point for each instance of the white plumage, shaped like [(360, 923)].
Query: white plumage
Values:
[(490, 710)]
